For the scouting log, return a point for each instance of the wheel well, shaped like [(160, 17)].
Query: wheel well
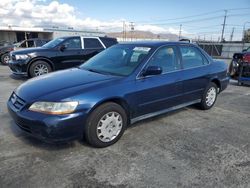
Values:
[(217, 82), (118, 101), (40, 59)]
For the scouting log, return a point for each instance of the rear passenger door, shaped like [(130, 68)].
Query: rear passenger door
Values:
[(160, 92), (195, 72), (92, 46)]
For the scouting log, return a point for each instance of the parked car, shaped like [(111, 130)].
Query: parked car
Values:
[(238, 58), (8, 47), (5, 48), (30, 43), (121, 85), (60, 53)]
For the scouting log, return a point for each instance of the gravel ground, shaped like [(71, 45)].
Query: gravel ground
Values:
[(185, 148)]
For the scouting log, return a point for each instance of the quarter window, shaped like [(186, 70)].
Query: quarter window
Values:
[(166, 58), (90, 43), (192, 57)]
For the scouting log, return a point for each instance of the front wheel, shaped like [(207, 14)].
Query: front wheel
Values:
[(105, 125), (209, 97), (39, 68), (5, 59)]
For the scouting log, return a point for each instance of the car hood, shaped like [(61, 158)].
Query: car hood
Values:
[(66, 81), (28, 50)]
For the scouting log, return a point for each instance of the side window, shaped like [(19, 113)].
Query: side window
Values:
[(30, 43), (90, 43), (166, 58), (38, 43), (73, 43), (192, 57), (23, 44), (108, 41)]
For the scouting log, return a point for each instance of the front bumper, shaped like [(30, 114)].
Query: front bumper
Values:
[(49, 128), (18, 67)]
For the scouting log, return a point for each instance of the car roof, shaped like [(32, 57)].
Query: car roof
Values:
[(65, 37), (156, 43)]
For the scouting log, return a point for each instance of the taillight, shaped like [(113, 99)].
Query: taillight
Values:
[(246, 58)]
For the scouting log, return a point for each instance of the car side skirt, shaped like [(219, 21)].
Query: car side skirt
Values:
[(145, 116)]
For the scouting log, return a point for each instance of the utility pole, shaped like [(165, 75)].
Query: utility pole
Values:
[(123, 30), (132, 28), (232, 34), (180, 32), (223, 26)]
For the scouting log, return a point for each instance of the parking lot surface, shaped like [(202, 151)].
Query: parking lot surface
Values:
[(185, 148)]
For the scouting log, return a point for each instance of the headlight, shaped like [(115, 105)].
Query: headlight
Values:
[(54, 107), (21, 57)]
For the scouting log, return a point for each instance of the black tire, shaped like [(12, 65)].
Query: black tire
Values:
[(93, 122), (205, 105), (34, 67), (5, 58)]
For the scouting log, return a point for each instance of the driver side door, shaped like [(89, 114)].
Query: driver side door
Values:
[(71, 55)]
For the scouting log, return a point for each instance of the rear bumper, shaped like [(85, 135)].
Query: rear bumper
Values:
[(49, 128), (224, 83)]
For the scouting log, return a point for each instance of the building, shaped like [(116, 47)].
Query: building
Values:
[(14, 34)]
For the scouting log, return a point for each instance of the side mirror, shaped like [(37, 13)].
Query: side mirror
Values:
[(244, 50), (152, 70), (62, 47)]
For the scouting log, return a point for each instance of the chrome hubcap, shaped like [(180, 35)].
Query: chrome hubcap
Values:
[(109, 126), (41, 69), (6, 59), (211, 96)]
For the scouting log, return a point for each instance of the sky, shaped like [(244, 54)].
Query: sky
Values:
[(199, 19)]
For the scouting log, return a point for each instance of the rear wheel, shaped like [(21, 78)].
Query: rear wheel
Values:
[(105, 125), (39, 68), (209, 96), (5, 59)]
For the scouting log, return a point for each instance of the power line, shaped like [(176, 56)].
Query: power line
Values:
[(189, 21), (196, 15)]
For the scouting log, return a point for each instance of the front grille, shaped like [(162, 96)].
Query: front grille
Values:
[(17, 102)]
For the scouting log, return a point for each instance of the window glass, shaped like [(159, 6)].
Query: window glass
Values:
[(118, 60), (90, 43), (30, 43), (73, 43), (166, 58), (23, 44), (192, 57), (108, 41), (38, 43)]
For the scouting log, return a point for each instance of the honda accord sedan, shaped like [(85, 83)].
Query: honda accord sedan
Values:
[(123, 84)]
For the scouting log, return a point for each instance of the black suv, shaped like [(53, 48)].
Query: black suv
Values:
[(60, 53)]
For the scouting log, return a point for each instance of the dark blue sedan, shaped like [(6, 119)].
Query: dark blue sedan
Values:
[(124, 84)]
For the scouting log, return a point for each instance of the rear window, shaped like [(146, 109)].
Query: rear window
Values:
[(192, 57), (91, 43), (108, 41)]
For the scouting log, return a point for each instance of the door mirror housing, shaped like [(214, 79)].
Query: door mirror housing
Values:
[(152, 70), (62, 48)]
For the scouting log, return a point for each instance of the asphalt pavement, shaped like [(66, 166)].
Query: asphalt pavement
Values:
[(185, 148)]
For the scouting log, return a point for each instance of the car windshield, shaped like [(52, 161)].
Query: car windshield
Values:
[(119, 60), (53, 43)]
